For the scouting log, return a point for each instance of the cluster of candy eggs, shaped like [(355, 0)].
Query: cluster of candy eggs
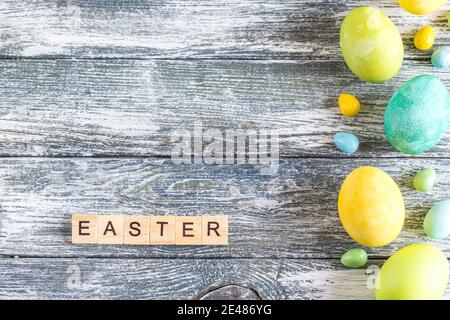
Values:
[(371, 206)]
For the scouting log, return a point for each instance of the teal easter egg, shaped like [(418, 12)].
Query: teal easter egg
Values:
[(417, 115), (346, 142), (437, 222), (441, 58)]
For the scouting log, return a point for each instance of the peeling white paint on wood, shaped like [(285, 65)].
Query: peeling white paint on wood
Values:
[(132, 108), (250, 29), (290, 215), (165, 278), (230, 64)]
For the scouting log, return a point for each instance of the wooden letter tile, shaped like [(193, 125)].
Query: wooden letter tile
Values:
[(162, 230), (136, 230), (110, 229), (215, 230), (188, 231), (84, 229)]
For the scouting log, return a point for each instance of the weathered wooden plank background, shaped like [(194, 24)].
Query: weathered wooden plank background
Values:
[(90, 92)]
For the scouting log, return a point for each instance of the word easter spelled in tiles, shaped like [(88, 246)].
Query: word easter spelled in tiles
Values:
[(153, 230)]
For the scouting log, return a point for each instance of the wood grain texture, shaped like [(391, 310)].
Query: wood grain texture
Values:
[(211, 29), (166, 279), (113, 79), (290, 215), (132, 108)]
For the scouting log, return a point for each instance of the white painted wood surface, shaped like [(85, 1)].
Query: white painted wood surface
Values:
[(90, 91), (290, 215)]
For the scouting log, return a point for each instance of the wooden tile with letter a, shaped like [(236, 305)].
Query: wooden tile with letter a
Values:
[(110, 229)]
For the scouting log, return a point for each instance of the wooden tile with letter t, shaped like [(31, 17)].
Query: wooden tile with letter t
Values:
[(215, 230), (84, 229), (136, 230), (188, 231), (162, 230), (110, 229)]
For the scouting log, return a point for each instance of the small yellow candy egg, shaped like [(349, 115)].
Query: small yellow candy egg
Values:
[(424, 38), (349, 105)]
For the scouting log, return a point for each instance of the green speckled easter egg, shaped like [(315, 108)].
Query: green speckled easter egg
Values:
[(417, 115)]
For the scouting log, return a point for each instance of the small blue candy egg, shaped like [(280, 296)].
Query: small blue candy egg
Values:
[(346, 142), (441, 58), (437, 222)]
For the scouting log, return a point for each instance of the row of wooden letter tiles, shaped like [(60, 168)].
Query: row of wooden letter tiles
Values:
[(150, 230)]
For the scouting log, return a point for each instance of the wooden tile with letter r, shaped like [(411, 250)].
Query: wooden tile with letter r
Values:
[(110, 229), (84, 229), (215, 230), (162, 230), (136, 230), (188, 231)]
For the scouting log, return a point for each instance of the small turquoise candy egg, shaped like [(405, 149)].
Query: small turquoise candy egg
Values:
[(437, 222), (354, 258), (425, 180), (441, 58), (346, 142)]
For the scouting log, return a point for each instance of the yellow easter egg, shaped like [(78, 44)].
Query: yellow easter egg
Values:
[(421, 7), (416, 272), (371, 44), (349, 105), (371, 207), (424, 38)]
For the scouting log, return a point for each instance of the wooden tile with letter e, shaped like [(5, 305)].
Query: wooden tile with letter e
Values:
[(110, 229), (136, 230), (162, 230), (84, 229), (215, 230), (188, 231)]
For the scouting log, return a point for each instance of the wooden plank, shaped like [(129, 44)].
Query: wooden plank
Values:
[(251, 29), (290, 215), (132, 108), (184, 279)]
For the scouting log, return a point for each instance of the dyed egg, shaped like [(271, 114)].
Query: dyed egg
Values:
[(421, 7), (417, 115), (425, 180), (371, 45), (346, 142), (437, 222), (416, 272), (371, 207), (349, 105), (424, 38), (441, 58), (354, 258)]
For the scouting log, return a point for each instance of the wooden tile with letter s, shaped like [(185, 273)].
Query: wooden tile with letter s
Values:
[(110, 229), (136, 230)]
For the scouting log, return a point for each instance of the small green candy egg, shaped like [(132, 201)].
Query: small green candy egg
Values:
[(425, 180), (354, 258)]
